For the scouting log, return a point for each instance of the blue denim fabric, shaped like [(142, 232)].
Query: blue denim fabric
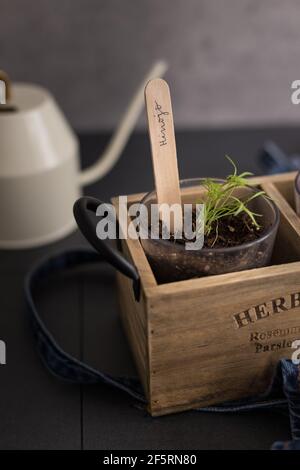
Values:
[(274, 160), (57, 361), (289, 445), (283, 392)]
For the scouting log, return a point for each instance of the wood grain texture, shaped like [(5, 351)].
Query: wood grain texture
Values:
[(134, 252), (134, 314), (218, 338), (200, 356), (162, 139)]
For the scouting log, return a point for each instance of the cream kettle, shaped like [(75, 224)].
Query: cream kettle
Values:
[(40, 175)]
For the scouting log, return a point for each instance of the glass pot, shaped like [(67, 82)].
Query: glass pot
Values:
[(172, 262)]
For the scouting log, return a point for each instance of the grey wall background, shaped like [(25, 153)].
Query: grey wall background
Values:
[(231, 62)]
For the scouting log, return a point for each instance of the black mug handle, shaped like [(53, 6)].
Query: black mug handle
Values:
[(82, 207)]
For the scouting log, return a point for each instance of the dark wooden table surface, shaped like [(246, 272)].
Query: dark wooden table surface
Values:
[(80, 308)]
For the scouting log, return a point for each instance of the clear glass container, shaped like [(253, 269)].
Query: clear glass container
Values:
[(170, 261)]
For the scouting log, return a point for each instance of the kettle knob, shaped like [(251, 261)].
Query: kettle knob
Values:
[(5, 88)]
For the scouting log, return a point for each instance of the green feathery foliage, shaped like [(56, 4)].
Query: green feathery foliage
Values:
[(220, 200)]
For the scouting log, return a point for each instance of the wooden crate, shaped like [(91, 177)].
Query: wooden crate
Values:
[(191, 340)]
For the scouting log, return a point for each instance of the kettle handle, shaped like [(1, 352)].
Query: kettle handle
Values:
[(118, 141)]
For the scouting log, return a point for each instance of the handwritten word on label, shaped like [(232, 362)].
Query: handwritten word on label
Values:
[(160, 114)]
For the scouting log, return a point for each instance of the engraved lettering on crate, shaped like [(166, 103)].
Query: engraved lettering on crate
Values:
[(273, 339)]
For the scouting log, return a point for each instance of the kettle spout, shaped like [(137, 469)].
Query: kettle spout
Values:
[(118, 141)]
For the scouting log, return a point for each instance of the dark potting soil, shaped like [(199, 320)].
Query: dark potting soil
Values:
[(233, 231), (230, 231)]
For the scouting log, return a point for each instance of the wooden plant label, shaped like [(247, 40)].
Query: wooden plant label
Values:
[(162, 139)]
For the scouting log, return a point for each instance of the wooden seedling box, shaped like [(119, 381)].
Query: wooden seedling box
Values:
[(208, 340)]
